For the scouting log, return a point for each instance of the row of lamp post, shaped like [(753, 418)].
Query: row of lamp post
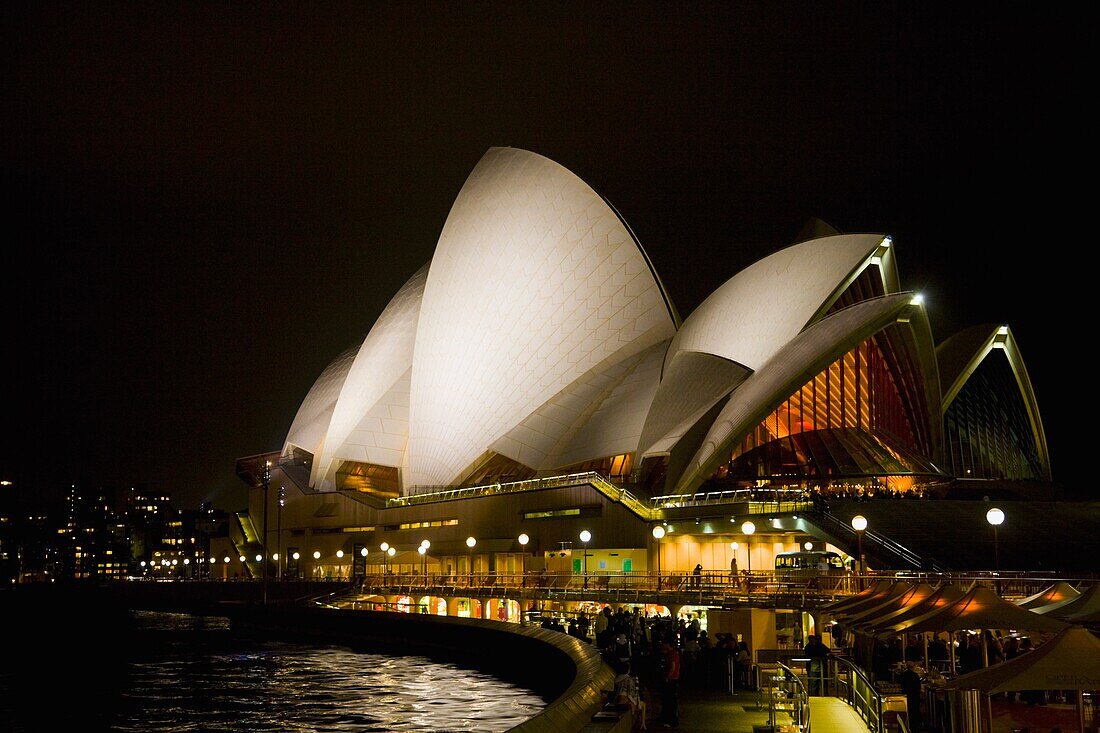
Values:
[(994, 516)]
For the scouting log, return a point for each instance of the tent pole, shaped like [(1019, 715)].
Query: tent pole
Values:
[(1081, 710), (985, 648), (989, 709), (924, 636), (951, 648)]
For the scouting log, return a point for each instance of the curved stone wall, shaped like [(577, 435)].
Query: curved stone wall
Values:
[(568, 673)]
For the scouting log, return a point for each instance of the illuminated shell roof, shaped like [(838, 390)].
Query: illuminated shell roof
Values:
[(313, 417), (540, 332), (534, 283), (370, 421), (754, 313), (794, 363)]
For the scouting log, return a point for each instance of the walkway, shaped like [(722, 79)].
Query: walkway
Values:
[(720, 712), (833, 715)]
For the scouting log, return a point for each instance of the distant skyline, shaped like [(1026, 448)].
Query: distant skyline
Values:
[(207, 203)]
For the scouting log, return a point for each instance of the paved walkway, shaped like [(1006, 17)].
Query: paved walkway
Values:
[(833, 715), (720, 712)]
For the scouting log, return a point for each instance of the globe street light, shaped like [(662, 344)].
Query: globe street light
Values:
[(859, 524), (748, 528), (384, 546), (996, 518), (391, 552), (470, 542), (423, 560), (658, 533), (339, 554), (523, 540), (586, 536)]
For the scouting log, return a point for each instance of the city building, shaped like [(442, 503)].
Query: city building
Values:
[(534, 380)]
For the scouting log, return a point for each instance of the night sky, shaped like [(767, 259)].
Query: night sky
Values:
[(206, 203)]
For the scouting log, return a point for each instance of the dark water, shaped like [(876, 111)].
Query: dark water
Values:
[(170, 672)]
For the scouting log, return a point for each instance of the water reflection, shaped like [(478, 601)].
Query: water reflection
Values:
[(193, 674)]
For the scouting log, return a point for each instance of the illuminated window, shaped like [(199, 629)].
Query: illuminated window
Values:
[(551, 513), (429, 523)]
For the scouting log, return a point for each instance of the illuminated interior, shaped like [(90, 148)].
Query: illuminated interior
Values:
[(381, 481), (615, 468), (860, 416)]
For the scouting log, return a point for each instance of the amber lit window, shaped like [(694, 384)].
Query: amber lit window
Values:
[(853, 418)]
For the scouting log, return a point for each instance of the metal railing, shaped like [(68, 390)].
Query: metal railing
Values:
[(850, 684), (430, 494), (800, 699), (873, 540), (756, 501)]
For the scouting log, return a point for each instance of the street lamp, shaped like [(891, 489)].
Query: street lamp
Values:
[(859, 524), (470, 542), (658, 533), (996, 518), (586, 537), (384, 547), (391, 552), (279, 530), (265, 478), (748, 528), (425, 545), (523, 540)]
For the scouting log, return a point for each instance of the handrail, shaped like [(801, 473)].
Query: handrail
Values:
[(801, 697), (855, 689), (898, 550), (648, 510)]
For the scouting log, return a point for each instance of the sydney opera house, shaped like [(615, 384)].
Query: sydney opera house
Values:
[(535, 378)]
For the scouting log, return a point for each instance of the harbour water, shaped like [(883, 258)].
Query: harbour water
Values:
[(173, 672)]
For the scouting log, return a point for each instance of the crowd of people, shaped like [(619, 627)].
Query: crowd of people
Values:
[(655, 655)]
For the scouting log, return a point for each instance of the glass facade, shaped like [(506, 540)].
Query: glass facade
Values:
[(987, 432), (860, 416)]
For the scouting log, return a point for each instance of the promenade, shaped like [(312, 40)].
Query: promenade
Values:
[(707, 711)]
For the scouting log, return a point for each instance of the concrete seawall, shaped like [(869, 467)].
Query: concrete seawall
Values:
[(565, 671)]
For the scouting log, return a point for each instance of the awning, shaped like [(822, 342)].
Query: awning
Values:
[(1069, 661), (890, 593), (876, 590), (1071, 609), (911, 595), (943, 596), (980, 608), (1060, 591)]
